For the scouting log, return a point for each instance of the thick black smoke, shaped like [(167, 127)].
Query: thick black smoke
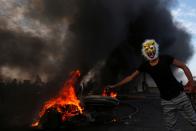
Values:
[(143, 20), (110, 30), (96, 29), (25, 52), (121, 26), (20, 50)]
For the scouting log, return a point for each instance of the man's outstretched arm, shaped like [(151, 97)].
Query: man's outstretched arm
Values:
[(186, 71), (126, 79)]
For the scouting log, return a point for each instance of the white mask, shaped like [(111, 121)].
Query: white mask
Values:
[(150, 49)]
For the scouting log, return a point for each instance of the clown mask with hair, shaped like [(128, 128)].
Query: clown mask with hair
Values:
[(150, 49)]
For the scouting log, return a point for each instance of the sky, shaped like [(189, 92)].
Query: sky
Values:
[(185, 13)]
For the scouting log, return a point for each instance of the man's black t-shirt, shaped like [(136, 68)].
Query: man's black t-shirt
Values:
[(162, 74)]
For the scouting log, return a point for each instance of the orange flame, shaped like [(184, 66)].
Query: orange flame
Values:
[(66, 96), (111, 94)]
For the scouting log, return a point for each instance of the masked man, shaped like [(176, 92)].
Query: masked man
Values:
[(173, 97)]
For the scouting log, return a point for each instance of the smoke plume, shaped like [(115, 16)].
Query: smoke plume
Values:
[(51, 38)]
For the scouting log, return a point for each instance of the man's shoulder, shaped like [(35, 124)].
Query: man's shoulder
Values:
[(165, 56)]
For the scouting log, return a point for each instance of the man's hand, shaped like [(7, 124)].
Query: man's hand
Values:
[(189, 88), (110, 88)]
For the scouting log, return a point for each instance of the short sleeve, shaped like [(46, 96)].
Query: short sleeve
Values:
[(142, 67), (169, 59)]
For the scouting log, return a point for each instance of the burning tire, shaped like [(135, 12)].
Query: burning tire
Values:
[(66, 109), (60, 116), (99, 103), (51, 119), (100, 108)]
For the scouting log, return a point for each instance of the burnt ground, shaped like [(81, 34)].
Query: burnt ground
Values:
[(147, 118)]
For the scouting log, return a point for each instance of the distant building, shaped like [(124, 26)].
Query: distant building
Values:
[(26, 82), (38, 81)]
